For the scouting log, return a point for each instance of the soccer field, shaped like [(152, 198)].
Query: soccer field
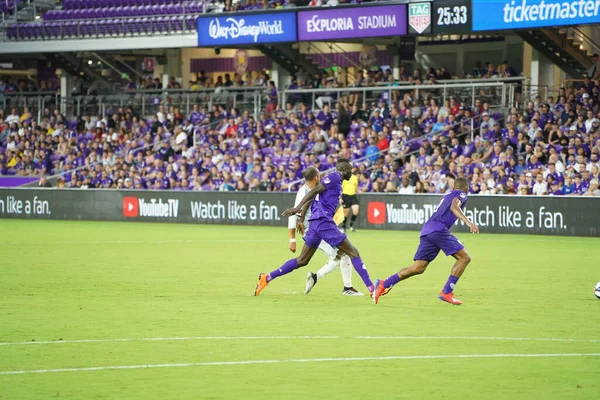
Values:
[(93, 310)]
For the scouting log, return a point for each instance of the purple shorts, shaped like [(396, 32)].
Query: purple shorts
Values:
[(431, 244), (326, 230)]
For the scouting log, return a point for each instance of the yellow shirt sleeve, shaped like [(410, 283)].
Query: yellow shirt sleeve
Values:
[(338, 218), (350, 186)]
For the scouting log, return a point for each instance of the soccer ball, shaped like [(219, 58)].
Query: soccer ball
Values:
[(597, 290)]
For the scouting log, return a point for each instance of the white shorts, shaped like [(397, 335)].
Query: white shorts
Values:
[(329, 251)]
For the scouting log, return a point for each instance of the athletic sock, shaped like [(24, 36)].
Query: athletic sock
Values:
[(329, 267), (361, 269), (344, 223), (286, 268), (450, 284), (346, 268), (352, 220), (391, 281)]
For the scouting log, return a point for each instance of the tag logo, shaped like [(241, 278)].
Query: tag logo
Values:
[(376, 213), (130, 207), (419, 17)]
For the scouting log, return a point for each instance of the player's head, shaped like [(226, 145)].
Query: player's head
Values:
[(344, 167), (311, 176), (461, 184)]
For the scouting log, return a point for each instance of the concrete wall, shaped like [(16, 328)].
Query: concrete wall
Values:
[(546, 77)]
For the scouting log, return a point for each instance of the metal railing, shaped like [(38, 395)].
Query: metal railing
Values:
[(497, 94), (513, 79), (53, 179), (530, 92), (143, 102), (461, 134), (36, 101), (102, 28), (429, 135), (585, 42), (91, 29), (314, 49)]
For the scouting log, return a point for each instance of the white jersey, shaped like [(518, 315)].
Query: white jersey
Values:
[(293, 220)]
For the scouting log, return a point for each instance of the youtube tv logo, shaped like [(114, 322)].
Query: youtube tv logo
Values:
[(376, 213), (130, 207), (154, 208)]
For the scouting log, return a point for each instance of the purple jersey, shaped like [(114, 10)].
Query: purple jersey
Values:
[(325, 204), (443, 218)]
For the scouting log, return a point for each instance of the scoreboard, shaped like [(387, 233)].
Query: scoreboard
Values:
[(452, 16)]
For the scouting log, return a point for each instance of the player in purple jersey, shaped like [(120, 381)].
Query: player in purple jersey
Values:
[(326, 197), (436, 236)]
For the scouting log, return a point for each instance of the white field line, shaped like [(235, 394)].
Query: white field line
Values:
[(479, 338), (171, 339), (211, 338), (414, 241), (304, 360), (121, 242)]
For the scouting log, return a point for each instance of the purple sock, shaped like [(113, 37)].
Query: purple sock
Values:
[(449, 286), (391, 281), (360, 268), (286, 268)]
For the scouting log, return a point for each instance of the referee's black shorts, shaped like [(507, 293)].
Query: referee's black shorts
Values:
[(349, 200)]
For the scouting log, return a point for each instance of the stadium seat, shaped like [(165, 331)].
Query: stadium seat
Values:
[(11, 32), (56, 30), (86, 10), (190, 23)]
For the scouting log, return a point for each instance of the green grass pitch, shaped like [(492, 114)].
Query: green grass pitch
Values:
[(98, 287)]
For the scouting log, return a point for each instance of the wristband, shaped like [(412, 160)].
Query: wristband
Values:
[(292, 240)]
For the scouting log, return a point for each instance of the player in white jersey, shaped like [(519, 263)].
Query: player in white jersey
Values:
[(312, 177)]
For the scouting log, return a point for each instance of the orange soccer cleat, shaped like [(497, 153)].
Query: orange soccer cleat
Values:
[(449, 298), (262, 283), (379, 291)]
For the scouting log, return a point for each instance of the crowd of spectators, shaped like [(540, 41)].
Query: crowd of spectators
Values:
[(11, 85), (375, 76), (406, 145)]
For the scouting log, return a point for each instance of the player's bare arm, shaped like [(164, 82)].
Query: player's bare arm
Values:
[(457, 211), (304, 211), (292, 237), (320, 188), (300, 228)]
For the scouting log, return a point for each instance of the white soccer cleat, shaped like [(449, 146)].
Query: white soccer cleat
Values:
[(311, 281), (351, 292)]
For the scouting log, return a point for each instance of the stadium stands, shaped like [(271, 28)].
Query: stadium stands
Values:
[(8, 6), (109, 18), (410, 145)]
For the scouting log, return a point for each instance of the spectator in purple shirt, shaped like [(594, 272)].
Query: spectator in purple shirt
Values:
[(324, 118), (578, 187), (533, 163)]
